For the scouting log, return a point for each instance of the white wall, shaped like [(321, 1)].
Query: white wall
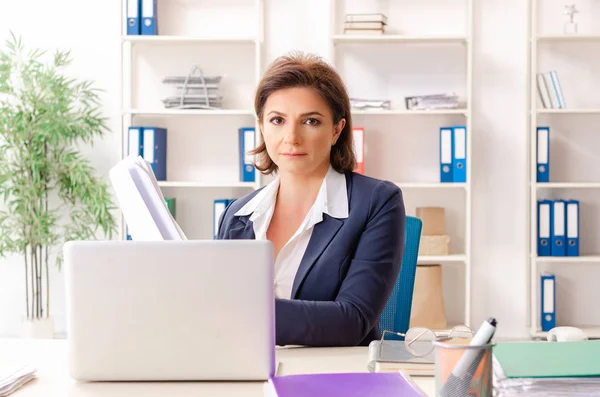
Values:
[(500, 275)]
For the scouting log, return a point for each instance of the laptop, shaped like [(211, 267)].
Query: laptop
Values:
[(189, 310)]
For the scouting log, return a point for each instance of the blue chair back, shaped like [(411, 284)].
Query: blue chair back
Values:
[(396, 314)]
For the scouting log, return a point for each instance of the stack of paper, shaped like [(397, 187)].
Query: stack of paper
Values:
[(144, 208), (547, 369), (13, 376)]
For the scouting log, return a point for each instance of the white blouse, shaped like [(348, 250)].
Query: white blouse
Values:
[(332, 200)]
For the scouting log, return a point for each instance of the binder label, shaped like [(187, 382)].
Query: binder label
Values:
[(544, 221), (460, 142), (446, 146), (559, 218), (542, 149), (548, 303), (572, 229)]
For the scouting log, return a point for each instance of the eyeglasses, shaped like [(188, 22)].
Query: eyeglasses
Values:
[(419, 340)]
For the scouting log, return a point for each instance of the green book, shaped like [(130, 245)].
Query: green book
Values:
[(171, 204), (549, 359)]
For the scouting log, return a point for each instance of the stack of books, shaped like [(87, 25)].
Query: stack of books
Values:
[(365, 24), (550, 91), (194, 91), (432, 102)]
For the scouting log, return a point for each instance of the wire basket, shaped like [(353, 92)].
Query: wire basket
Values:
[(463, 370), (194, 91)]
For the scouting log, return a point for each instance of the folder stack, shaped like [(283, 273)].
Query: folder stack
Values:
[(453, 154), (547, 368), (151, 144), (365, 23), (558, 227), (194, 91), (432, 102), (142, 18)]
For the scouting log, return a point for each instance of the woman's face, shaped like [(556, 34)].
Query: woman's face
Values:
[(298, 131)]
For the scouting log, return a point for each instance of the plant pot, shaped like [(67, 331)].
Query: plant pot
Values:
[(42, 328)]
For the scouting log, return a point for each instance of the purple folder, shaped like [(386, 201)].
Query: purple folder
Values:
[(344, 384)]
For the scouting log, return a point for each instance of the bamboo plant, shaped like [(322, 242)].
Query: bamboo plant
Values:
[(48, 191)]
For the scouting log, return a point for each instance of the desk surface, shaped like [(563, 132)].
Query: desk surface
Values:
[(50, 358)]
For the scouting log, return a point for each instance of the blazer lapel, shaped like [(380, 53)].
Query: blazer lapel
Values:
[(322, 235), (242, 231)]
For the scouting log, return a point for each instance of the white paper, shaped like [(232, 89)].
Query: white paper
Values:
[(13, 376), (144, 208)]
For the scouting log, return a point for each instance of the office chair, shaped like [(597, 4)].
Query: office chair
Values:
[(396, 314)]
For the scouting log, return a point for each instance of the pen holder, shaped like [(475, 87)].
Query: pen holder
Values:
[(462, 370)]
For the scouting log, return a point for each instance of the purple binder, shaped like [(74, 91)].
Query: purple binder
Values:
[(368, 384)]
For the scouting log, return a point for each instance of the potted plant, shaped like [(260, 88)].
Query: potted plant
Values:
[(48, 191)]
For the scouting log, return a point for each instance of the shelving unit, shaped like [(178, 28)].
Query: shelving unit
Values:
[(365, 61), (567, 130), (232, 50)]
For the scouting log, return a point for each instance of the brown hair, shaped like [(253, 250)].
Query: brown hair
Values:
[(308, 70)]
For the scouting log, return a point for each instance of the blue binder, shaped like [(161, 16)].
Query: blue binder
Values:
[(155, 151), (459, 154), (135, 141), (572, 227), (543, 154), (558, 228), (247, 142), (219, 207), (133, 17), (149, 19), (446, 150), (543, 227), (548, 301)]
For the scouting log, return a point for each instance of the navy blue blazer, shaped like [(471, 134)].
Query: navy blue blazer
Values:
[(348, 271)]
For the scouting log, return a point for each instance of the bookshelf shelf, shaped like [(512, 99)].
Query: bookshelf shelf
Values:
[(161, 39), (563, 54), (234, 52), (592, 332), (371, 69), (567, 185), (403, 112), (573, 37), (430, 185), (189, 112), (568, 111), (396, 38), (568, 259), (199, 184), (442, 259)]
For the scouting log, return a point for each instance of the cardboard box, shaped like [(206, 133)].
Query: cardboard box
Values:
[(428, 308), (433, 220), (434, 245)]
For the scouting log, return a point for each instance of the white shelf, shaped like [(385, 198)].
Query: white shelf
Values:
[(567, 185), (442, 258), (192, 184), (403, 112), (188, 40), (430, 185), (568, 111), (592, 331), (189, 112), (569, 259), (572, 37), (396, 38)]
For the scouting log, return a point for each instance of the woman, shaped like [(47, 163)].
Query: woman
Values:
[(338, 236)]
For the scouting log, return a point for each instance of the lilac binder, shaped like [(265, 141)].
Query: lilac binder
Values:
[(368, 384)]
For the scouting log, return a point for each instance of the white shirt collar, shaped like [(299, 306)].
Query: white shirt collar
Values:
[(332, 198)]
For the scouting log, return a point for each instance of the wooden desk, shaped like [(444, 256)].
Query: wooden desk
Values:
[(50, 358)]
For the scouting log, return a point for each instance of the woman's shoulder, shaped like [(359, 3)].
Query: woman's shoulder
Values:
[(372, 189)]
